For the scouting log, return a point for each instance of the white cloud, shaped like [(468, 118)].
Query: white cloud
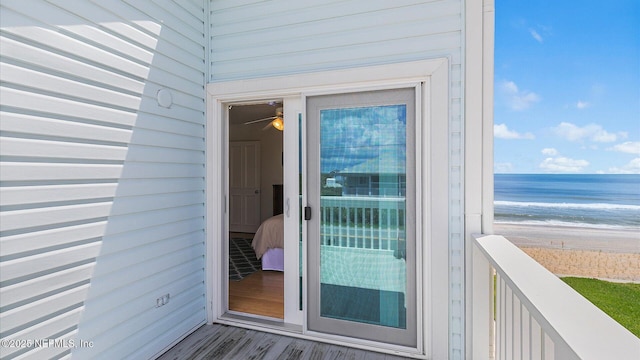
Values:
[(356, 136), (502, 132), (582, 104), (563, 164), (550, 151), (510, 87), (633, 167), (536, 35), (601, 135), (629, 147), (518, 99), (591, 132)]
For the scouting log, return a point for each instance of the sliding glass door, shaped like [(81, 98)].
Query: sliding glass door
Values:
[(361, 215)]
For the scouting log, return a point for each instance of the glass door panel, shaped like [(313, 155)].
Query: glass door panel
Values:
[(361, 234)]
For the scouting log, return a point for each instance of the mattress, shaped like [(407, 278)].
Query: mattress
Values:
[(273, 259), (268, 243)]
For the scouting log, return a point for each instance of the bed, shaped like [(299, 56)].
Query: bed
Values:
[(268, 243)]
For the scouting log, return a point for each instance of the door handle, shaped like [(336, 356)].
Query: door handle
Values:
[(287, 207), (256, 192), (307, 213)]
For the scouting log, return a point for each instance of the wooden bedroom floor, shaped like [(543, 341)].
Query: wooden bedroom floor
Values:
[(261, 293)]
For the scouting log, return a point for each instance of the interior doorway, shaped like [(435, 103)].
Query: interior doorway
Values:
[(255, 182)]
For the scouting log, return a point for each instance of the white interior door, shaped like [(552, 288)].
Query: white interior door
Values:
[(244, 186)]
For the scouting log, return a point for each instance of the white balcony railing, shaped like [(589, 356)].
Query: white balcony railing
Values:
[(364, 222), (537, 315)]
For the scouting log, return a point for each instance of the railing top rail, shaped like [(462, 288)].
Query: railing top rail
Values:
[(363, 202), (364, 198), (587, 330)]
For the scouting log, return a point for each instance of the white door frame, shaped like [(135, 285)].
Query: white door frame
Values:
[(432, 138)]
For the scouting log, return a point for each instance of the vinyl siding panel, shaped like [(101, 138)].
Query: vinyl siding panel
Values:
[(255, 39), (264, 38), (102, 189)]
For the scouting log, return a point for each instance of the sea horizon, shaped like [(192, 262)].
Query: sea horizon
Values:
[(604, 201)]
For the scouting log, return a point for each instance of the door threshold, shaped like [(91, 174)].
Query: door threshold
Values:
[(258, 322), (240, 320)]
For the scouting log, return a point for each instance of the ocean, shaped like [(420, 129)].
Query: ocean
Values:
[(579, 200)]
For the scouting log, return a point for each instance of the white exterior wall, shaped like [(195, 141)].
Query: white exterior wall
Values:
[(102, 189), (252, 39)]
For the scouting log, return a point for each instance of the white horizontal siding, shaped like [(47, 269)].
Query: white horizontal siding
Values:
[(102, 189), (254, 39)]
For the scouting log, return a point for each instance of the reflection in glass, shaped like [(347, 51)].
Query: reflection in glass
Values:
[(363, 188)]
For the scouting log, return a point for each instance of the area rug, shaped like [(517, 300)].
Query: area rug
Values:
[(242, 259)]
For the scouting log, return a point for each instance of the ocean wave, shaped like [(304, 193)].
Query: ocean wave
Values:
[(593, 206)]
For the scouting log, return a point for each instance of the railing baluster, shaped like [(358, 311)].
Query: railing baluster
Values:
[(380, 237), (526, 334), (502, 321), (531, 317), (322, 217), (517, 323), (333, 228), (509, 323), (388, 228), (536, 340), (373, 246), (348, 226), (340, 228), (396, 225), (362, 222), (362, 226), (548, 348), (355, 227)]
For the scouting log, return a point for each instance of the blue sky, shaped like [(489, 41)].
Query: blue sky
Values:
[(567, 86)]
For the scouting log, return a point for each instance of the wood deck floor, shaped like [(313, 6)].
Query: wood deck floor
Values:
[(228, 342)]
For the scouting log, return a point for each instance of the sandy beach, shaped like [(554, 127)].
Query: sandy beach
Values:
[(584, 252)]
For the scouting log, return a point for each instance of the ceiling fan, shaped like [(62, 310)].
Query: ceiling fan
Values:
[(276, 121)]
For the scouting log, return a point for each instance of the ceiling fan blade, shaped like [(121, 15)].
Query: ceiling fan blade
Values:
[(259, 120)]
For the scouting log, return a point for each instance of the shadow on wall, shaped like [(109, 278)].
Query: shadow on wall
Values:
[(147, 285), (104, 176)]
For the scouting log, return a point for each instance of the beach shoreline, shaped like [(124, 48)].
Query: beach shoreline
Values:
[(606, 254), (570, 238)]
